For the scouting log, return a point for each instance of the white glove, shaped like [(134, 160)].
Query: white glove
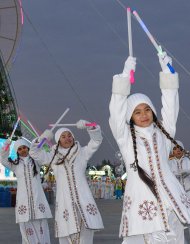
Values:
[(164, 59), (130, 64), (81, 124), (47, 134)]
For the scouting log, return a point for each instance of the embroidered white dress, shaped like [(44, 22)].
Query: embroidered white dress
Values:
[(73, 194), (142, 212), (31, 202)]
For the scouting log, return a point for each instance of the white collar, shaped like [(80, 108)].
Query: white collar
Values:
[(145, 131)]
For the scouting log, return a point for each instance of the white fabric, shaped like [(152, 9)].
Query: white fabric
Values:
[(164, 59), (81, 124), (19, 143), (137, 195), (47, 134), (59, 133), (85, 236), (134, 100), (72, 188), (36, 231), (174, 236), (31, 200), (181, 169), (130, 64)]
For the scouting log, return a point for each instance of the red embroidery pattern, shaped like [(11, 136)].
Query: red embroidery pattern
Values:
[(22, 209), (148, 210), (127, 202), (185, 200), (66, 214), (41, 207), (162, 178), (29, 232), (91, 208), (126, 206), (41, 230), (147, 146)]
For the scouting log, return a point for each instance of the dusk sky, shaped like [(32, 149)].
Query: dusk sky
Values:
[(70, 50)]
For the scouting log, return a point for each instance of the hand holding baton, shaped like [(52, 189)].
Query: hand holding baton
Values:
[(53, 127)]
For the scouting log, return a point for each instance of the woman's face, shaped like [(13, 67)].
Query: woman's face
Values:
[(66, 139), (177, 152), (142, 115), (23, 151)]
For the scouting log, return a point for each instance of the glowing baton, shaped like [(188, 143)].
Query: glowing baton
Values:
[(54, 126), (33, 128), (151, 38), (12, 134), (65, 125), (132, 79)]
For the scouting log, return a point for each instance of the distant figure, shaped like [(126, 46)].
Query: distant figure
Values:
[(76, 213), (180, 166), (32, 208)]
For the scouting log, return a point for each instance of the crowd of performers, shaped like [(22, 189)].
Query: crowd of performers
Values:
[(156, 201), (107, 187)]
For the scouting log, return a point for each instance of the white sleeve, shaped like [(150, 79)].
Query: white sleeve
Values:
[(170, 101), (118, 107), (40, 155), (94, 143), (4, 160)]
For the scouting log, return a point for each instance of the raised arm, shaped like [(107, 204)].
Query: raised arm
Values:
[(4, 154), (169, 85), (95, 138), (118, 104), (39, 154)]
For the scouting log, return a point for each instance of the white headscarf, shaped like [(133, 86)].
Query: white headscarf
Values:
[(59, 133), (134, 100), (19, 143)]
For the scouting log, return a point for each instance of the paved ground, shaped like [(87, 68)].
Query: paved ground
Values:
[(110, 211)]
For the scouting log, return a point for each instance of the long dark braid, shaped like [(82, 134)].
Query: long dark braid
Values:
[(159, 125), (142, 174), (16, 162), (49, 166)]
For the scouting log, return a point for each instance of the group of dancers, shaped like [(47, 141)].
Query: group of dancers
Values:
[(156, 202)]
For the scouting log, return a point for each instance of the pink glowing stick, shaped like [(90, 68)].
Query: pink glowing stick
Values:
[(65, 125), (12, 134), (21, 12), (132, 79)]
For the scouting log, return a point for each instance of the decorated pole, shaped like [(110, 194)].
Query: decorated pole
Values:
[(12, 134), (132, 79), (159, 50), (33, 128), (54, 126), (67, 125)]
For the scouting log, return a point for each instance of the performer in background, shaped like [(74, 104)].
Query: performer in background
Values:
[(76, 213), (32, 209)]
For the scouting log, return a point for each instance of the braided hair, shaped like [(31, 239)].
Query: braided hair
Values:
[(16, 162), (159, 125), (63, 159), (142, 174)]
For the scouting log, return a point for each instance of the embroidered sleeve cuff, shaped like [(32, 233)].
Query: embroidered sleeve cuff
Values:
[(169, 81), (121, 85)]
